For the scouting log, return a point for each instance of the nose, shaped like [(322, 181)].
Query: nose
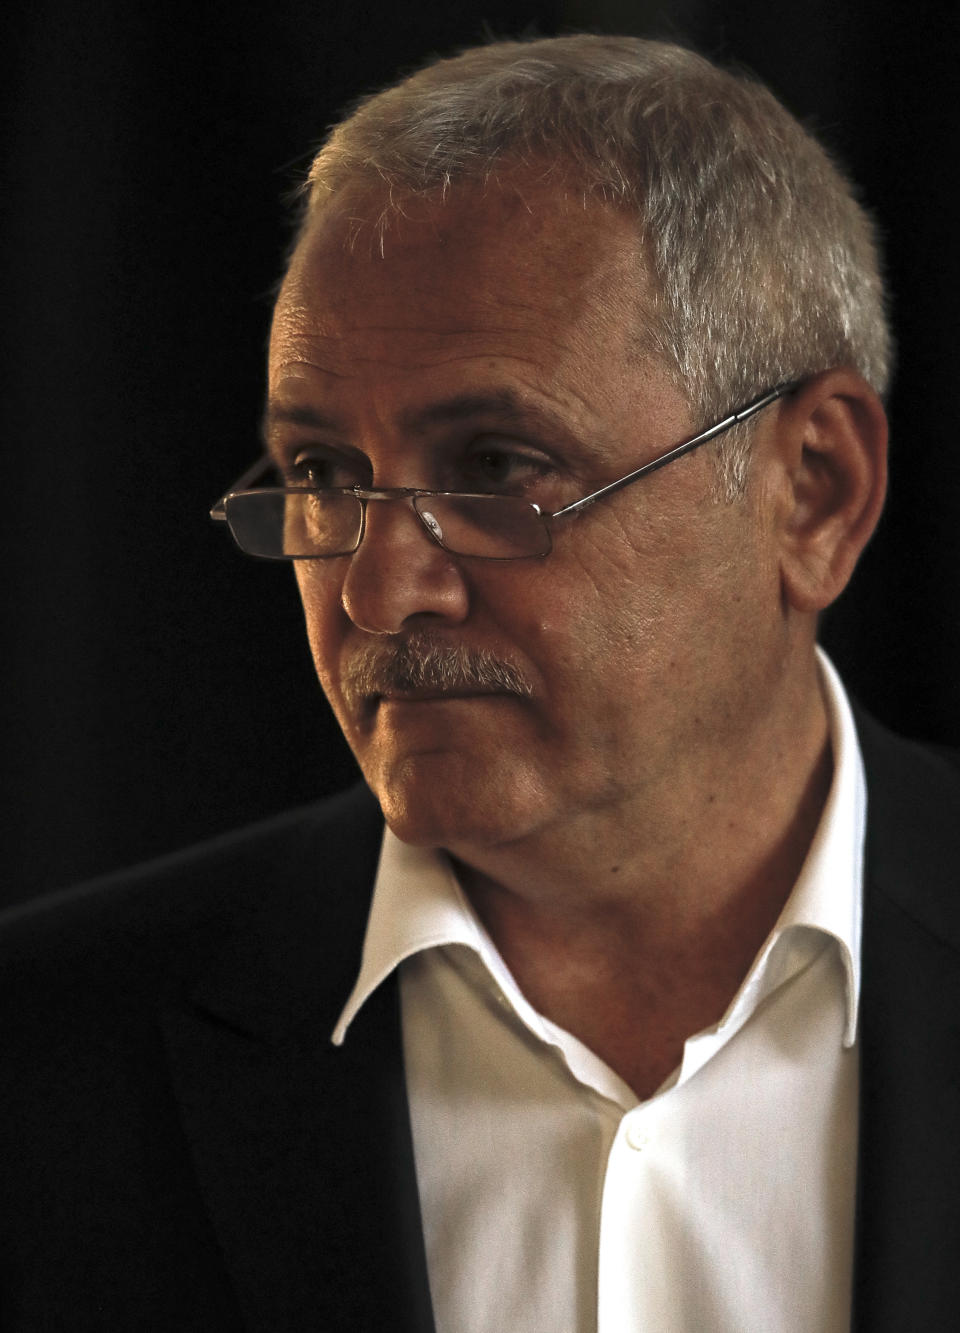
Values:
[(398, 575)]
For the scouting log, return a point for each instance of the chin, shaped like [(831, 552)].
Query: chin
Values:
[(442, 823), (457, 811)]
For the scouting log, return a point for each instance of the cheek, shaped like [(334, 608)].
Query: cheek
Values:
[(325, 622), (586, 612), (589, 637), (618, 628)]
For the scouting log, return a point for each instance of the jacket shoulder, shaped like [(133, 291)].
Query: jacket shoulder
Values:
[(165, 913), (913, 827)]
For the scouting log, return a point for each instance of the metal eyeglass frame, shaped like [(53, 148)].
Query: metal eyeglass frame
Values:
[(265, 463)]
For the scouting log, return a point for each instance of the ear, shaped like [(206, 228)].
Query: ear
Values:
[(831, 443)]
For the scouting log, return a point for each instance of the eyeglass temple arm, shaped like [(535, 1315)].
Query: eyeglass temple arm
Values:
[(254, 473), (711, 433)]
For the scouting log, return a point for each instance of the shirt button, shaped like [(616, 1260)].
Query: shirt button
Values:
[(637, 1136)]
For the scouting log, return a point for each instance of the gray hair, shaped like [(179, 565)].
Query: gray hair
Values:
[(764, 266)]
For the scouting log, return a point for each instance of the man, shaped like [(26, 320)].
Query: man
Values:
[(642, 1012)]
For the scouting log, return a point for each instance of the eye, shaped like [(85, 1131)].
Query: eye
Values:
[(323, 470), (499, 463)]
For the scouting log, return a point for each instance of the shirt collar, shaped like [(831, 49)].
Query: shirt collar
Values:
[(828, 895), (418, 904), (827, 900)]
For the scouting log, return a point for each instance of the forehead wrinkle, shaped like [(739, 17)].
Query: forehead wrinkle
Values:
[(310, 339), (336, 359)]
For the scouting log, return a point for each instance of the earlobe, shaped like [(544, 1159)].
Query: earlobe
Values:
[(833, 448)]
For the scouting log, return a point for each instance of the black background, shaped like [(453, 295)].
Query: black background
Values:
[(158, 686)]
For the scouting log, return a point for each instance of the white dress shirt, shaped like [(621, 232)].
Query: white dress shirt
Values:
[(552, 1200)]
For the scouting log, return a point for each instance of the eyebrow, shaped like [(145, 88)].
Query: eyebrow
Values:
[(502, 403), (274, 414)]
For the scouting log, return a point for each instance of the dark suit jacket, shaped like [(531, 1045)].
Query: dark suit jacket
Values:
[(183, 1149)]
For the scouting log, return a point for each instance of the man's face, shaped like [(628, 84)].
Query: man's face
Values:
[(493, 345)]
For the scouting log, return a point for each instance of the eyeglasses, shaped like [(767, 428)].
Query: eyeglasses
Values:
[(303, 523)]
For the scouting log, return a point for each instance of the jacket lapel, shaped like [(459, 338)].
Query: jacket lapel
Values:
[(908, 1237), (303, 1150)]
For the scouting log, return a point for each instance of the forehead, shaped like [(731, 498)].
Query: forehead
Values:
[(520, 279)]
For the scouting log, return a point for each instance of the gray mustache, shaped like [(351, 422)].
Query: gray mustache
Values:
[(419, 663)]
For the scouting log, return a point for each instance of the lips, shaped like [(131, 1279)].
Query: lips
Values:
[(427, 696)]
